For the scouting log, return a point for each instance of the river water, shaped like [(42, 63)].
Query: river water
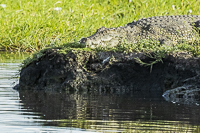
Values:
[(50, 112)]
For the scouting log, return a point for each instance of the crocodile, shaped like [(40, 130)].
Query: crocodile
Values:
[(169, 30), (185, 94)]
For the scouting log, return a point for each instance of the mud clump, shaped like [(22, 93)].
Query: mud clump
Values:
[(109, 72)]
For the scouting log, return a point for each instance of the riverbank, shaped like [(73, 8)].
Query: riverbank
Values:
[(111, 71)]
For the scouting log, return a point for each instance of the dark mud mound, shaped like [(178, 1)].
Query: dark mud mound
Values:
[(112, 72)]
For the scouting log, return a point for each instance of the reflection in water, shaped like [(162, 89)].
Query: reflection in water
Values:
[(113, 112)]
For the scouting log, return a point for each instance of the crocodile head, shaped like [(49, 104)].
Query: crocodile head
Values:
[(102, 38), (90, 42)]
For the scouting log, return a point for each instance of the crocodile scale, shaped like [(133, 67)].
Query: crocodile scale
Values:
[(168, 30)]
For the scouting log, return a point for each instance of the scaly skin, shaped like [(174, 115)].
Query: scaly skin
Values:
[(168, 30)]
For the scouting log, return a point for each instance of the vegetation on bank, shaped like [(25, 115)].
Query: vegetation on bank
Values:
[(33, 25), (151, 49)]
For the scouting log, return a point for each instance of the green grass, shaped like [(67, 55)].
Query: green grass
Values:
[(32, 25)]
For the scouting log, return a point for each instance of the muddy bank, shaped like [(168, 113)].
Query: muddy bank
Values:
[(112, 72)]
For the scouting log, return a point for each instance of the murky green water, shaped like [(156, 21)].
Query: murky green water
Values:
[(33, 111)]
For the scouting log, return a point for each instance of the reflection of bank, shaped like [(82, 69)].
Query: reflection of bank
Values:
[(53, 105), (73, 106)]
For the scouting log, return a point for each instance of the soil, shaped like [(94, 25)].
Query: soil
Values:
[(110, 72)]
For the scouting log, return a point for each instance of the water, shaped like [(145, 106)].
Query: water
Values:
[(33, 111)]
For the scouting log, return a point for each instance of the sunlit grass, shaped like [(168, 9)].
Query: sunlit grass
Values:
[(32, 25)]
